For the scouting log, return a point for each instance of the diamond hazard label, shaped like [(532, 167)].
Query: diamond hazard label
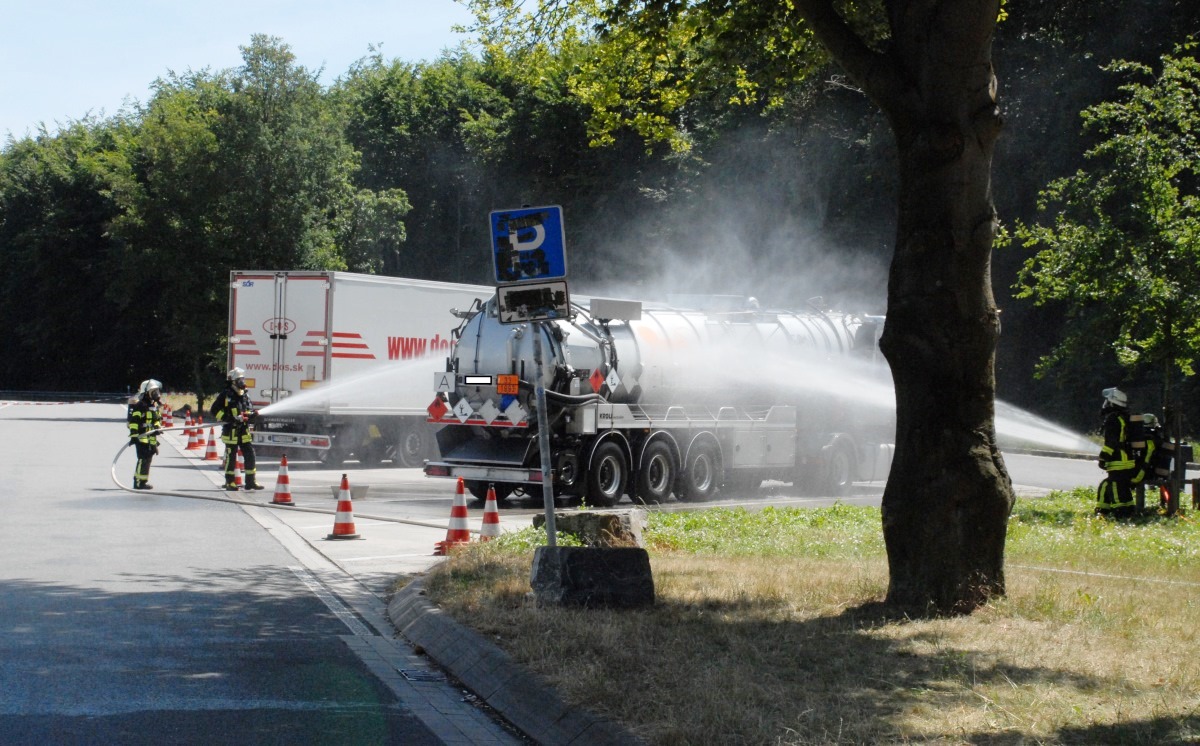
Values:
[(462, 410), (437, 410), (596, 380)]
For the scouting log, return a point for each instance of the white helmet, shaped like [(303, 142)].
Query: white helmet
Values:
[(150, 387), (1115, 396), (235, 374), (1150, 420)]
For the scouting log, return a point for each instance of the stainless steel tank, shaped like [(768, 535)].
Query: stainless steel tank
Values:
[(667, 355)]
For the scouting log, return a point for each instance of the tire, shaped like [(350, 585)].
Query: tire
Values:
[(412, 446), (607, 475), (479, 490), (656, 474), (701, 473), (837, 469)]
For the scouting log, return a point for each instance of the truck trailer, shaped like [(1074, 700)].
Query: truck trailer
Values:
[(339, 362), (660, 401)]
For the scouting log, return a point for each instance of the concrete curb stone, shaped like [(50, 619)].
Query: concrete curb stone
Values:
[(522, 698)]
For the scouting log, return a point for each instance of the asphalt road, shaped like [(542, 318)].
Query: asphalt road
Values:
[(139, 618)]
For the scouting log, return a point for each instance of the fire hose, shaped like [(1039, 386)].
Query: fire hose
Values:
[(252, 503)]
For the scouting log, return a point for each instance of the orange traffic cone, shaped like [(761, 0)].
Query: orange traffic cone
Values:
[(168, 418), (239, 470), (201, 443), (457, 532), (343, 523), (192, 444), (491, 516), (283, 486), (211, 454)]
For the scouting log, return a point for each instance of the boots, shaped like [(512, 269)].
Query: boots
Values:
[(253, 485), (231, 487)]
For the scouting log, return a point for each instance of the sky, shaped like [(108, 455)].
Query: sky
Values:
[(61, 60)]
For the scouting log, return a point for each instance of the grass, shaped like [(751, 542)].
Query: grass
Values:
[(768, 628)]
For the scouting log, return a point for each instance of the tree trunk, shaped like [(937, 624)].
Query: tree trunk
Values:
[(947, 501), (948, 498)]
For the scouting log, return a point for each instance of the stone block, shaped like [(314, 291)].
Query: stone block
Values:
[(600, 528), (611, 577)]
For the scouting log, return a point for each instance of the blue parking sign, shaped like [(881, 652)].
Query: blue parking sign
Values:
[(528, 244)]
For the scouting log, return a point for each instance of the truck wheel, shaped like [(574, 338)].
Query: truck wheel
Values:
[(838, 469), (607, 475), (479, 490), (656, 475), (412, 446), (698, 481)]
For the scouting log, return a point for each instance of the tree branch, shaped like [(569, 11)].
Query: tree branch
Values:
[(875, 72)]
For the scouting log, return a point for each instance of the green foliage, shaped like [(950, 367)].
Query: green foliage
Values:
[(839, 532), (58, 197), (1119, 248), (1064, 529), (652, 66)]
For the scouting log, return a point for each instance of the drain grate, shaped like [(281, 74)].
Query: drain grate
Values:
[(419, 675)]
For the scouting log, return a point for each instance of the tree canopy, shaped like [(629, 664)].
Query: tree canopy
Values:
[(1119, 244)]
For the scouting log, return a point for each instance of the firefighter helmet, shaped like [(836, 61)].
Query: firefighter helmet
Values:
[(151, 388), (235, 374), (1149, 420), (1115, 397)]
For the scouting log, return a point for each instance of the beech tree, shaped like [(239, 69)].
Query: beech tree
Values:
[(1119, 248), (927, 65)]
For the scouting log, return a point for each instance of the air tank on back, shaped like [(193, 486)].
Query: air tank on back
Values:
[(652, 355)]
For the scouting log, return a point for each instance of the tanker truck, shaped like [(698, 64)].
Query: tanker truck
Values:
[(657, 401)]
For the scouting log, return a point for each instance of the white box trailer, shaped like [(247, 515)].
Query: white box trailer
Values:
[(341, 362)]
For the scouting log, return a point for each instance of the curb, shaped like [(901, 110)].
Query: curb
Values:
[(522, 698)]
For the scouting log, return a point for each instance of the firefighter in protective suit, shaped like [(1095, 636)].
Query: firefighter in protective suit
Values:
[(233, 408), (1114, 496), (145, 420)]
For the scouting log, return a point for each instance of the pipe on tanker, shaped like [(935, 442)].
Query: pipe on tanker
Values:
[(575, 400)]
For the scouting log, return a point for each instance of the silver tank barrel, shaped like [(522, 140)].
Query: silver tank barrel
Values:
[(666, 354)]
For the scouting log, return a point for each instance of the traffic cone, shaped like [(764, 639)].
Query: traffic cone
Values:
[(283, 486), (192, 444), (491, 516), (457, 532), (211, 454), (239, 471), (201, 442), (343, 523), (168, 418)]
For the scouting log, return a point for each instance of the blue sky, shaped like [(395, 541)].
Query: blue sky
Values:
[(63, 59)]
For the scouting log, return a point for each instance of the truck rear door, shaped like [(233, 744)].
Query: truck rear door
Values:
[(278, 332)]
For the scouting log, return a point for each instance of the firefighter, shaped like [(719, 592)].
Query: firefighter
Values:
[(1114, 496), (145, 420), (1155, 462), (233, 408)]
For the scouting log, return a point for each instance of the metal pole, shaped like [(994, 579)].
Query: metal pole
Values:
[(544, 438)]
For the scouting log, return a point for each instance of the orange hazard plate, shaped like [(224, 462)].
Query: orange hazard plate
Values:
[(507, 384)]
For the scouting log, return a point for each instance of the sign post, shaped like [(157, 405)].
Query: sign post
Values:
[(529, 254)]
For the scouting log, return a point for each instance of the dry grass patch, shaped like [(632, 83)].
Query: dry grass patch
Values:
[(781, 645)]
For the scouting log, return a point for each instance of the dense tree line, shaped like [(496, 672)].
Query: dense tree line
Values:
[(117, 234)]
